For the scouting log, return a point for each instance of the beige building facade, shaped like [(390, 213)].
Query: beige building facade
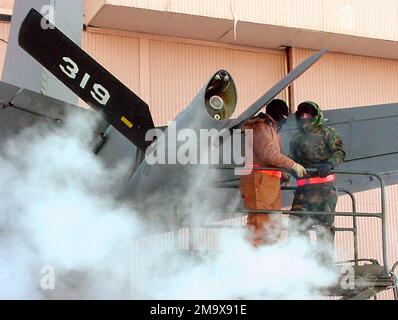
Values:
[(164, 50)]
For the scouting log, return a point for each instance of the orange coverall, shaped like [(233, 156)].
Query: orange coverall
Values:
[(261, 190)]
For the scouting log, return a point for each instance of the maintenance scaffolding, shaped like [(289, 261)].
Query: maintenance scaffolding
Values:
[(371, 277)]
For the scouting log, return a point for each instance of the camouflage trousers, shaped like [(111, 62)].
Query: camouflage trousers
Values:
[(322, 198)]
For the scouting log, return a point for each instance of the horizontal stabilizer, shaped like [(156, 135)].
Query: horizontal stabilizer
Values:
[(23, 108), (86, 78)]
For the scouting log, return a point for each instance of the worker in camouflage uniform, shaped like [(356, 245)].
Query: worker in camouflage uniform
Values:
[(318, 147)]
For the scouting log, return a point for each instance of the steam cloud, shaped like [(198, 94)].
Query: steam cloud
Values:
[(59, 208)]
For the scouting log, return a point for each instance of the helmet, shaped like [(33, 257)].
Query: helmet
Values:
[(277, 109), (313, 109), (307, 107)]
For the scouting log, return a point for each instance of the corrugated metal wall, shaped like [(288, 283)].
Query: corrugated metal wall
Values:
[(216, 9), (168, 73), (351, 80), (119, 54), (364, 18), (4, 31), (179, 70), (6, 4)]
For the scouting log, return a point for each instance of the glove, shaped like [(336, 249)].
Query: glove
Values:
[(299, 170), (324, 169), (285, 178)]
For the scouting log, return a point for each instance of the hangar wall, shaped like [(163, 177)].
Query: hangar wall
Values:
[(168, 72), (6, 6), (4, 31), (352, 17), (350, 80)]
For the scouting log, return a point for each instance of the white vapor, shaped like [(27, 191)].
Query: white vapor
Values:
[(286, 270), (59, 207)]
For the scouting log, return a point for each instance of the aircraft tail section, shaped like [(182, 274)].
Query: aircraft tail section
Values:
[(22, 108), (85, 77)]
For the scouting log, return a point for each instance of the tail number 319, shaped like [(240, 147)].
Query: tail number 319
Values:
[(98, 92)]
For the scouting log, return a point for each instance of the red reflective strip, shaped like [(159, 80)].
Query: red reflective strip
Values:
[(273, 173), (316, 180)]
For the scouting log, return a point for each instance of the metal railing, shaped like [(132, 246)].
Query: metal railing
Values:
[(395, 289), (354, 214)]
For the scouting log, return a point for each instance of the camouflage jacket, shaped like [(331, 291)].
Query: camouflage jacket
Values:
[(315, 144)]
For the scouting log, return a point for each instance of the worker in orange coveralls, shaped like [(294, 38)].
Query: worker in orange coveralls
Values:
[(261, 189)]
